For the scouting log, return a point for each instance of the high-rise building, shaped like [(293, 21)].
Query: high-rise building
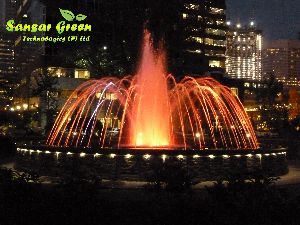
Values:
[(282, 57), (7, 53), (8, 68), (7, 11), (204, 36), (7, 56), (243, 55)]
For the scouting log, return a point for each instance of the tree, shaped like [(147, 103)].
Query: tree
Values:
[(271, 99), (44, 85), (100, 60)]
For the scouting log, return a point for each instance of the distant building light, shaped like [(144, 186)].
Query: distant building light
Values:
[(238, 25), (25, 106)]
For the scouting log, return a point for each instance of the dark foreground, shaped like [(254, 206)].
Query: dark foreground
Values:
[(23, 200)]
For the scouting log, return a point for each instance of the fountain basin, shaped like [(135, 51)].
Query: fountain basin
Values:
[(137, 164)]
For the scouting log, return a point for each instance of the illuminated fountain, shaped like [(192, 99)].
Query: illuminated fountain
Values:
[(197, 124), (155, 111)]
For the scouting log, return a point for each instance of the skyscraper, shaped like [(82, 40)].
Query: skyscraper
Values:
[(243, 55), (204, 33), (282, 57), (7, 53), (8, 69)]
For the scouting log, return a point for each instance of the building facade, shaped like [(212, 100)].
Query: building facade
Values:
[(243, 55), (282, 57), (204, 36), (8, 68)]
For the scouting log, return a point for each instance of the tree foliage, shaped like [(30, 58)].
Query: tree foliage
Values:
[(271, 99)]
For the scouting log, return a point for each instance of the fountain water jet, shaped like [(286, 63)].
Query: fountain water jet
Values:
[(150, 125), (155, 111)]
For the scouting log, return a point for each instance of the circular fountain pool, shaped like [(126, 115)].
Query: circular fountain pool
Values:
[(132, 164), (154, 113)]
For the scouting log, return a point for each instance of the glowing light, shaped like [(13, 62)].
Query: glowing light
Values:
[(18, 107), (96, 155), (128, 156), (164, 157), (238, 156), (180, 157), (147, 156), (82, 154), (249, 155), (69, 153), (211, 156), (47, 152), (112, 155), (197, 135), (196, 156), (225, 156)]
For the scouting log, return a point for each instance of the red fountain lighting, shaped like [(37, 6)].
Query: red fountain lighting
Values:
[(154, 111)]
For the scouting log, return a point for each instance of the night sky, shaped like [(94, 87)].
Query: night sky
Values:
[(279, 19)]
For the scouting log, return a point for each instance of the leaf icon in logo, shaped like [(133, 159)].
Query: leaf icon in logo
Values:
[(68, 15), (80, 17)]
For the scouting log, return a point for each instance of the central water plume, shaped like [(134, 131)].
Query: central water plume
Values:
[(150, 125), (153, 111)]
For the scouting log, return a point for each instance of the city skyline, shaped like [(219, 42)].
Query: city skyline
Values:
[(278, 19)]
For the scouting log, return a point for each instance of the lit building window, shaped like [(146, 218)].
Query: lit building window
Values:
[(213, 10), (219, 22), (215, 31), (214, 63), (82, 74), (214, 42), (192, 6)]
